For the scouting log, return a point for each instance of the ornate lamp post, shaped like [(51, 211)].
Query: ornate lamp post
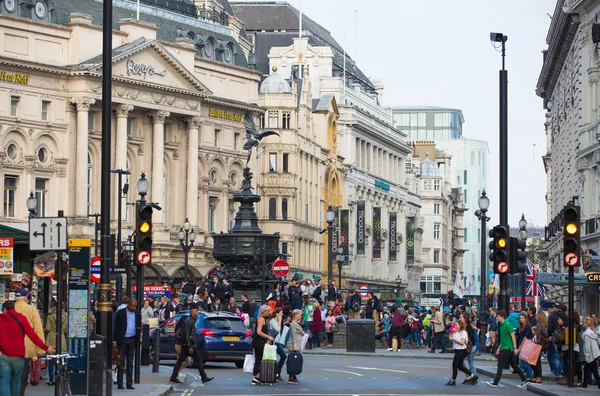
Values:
[(484, 204), (330, 218), (186, 236), (400, 285), (523, 277), (32, 204)]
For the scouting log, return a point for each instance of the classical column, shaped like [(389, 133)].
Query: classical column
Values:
[(192, 168), (81, 183), (158, 152), (122, 111)]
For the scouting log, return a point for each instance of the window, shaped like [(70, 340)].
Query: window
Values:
[(10, 190), (436, 256), (236, 139), (286, 119), (436, 230), (465, 177), (436, 185), (217, 135), (465, 235), (272, 209), (261, 121), (431, 284), (14, 106), (41, 190), (130, 127), (89, 184), (231, 213), (284, 249), (45, 110), (465, 196), (92, 120), (458, 179), (472, 160), (284, 209), (427, 185), (272, 162), (306, 213), (286, 162), (273, 119), (436, 209), (212, 214)]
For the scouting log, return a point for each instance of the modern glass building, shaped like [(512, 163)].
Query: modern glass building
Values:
[(468, 168)]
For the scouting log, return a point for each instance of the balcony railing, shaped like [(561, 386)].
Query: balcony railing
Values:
[(213, 15)]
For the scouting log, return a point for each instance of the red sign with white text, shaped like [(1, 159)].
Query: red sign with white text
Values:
[(7, 264)]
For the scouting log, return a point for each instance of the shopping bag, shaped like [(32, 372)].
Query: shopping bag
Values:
[(270, 352), (530, 352), (304, 341), (36, 371), (249, 363), (284, 335)]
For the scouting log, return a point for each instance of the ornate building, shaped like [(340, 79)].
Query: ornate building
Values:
[(181, 87)]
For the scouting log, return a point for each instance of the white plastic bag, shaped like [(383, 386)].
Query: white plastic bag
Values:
[(304, 341), (488, 339), (270, 352), (283, 336), (249, 363)]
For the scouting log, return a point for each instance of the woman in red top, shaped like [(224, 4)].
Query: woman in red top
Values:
[(317, 326)]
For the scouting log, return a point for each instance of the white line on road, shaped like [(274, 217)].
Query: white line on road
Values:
[(378, 369), (342, 371)]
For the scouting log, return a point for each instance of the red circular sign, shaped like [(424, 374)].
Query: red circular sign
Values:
[(571, 259), (503, 267), (95, 269), (363, 290), (281, 268), (143, 257)]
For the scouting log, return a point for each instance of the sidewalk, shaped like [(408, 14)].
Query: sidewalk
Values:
[(151, 384)]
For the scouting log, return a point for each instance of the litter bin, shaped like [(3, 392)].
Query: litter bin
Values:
[(360, 335), (96, 359)]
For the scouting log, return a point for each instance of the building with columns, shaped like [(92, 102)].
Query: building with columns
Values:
[(568, 85), (374, 194), (181, 87)]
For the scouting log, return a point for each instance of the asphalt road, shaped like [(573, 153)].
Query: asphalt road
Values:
[(345, 376)]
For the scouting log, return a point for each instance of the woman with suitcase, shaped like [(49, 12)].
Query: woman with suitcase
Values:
[(259, 338), (294, 358)]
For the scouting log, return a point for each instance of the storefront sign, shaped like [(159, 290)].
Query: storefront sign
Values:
[(334, 232), (383, 185), (393, 236), (79, 305), (214, 113), (154, 290), (7, 263), (376, 233), (16, 78), (344, 230), (410, 240), (360, 227), (142, 69), (559, 278)]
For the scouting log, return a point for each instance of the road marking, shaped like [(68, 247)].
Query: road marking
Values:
[(379, 369), (342, 371)]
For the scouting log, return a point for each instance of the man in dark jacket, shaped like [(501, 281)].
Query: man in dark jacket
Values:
[(353, 303), (296, 300), (128, 322), (317, 292), (553, 354), (293, 288), (331, 294), (189, 348)]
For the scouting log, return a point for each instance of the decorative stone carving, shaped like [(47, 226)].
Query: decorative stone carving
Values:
[(140, 150), (160, 116), (176, 154), (123, 110), (194, 122), (83, 103)]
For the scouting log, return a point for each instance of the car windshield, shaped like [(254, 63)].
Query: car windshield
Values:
[(224, 324)]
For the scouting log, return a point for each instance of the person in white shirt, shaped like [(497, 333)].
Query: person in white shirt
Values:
[(460, 339)]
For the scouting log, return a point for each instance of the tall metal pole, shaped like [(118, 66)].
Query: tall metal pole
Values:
[(104, 295), (185, 257), (119, 284), (503, 297), (329, 252), (263, 271), (483, 283), (571, 330), (340, 274)]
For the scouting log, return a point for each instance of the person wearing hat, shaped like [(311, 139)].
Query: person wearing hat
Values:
[(189, 347), (34, 320)]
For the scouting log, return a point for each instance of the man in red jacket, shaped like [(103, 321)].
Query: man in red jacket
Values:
[(13, 328)]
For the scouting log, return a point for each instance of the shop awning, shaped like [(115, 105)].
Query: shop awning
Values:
[(18, 231)]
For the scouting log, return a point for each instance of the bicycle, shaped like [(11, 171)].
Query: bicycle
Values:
[(61, 378)]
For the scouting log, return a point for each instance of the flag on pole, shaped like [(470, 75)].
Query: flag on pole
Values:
[(497, 282), (532, 288), (458, 285), (469, 282)]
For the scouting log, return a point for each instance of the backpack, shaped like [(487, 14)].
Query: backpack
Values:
[(355, 307), (379, 306), (179, 329)]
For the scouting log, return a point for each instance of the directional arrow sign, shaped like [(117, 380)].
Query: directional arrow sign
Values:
[(48, 233)]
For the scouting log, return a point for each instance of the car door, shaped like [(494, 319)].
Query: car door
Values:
[(167, 337)]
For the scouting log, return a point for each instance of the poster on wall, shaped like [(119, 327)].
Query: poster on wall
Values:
[(410, 240), (7, 263), (43, 265), (344, 229), (393, 237), (334, 231), (376, 233), (360, 227)]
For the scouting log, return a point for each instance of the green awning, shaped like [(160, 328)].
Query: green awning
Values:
[(20, 235)]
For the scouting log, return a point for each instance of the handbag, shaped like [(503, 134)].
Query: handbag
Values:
[(530, 352), (269, 352), (334, 329), (249, 363), (116, 356), (469, 347)]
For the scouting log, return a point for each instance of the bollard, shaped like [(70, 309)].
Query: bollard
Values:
[(360, 335), (145, 358), (156, 350)]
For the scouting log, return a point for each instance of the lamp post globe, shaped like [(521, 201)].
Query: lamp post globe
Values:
[(143, 185), (192, 236), (32, 204), (523, 234), (181, 235), (483, 202), (330, 215), (186, 225), (522, 222)]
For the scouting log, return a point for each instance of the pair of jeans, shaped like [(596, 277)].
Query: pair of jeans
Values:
[(527, 368), (471, 359), (438, 341), (508, 357), (428, 337), (259, 349), (340, 319), (317, 338), (183, 355), (555, 360), (126, 350), (25, 375), (458, 363), (476, 346), (415, 335), (10, 375), (282, 357)]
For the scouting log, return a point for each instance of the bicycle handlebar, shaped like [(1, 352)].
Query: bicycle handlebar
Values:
[(62, 355)]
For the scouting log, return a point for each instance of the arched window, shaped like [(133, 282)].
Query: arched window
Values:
[(284, 204), (272, 209), (89, 185)]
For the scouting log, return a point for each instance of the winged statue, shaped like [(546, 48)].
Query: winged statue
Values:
[(253, 137)]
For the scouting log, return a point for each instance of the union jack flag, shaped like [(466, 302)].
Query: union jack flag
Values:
[(533, 289)]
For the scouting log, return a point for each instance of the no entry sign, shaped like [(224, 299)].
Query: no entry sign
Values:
[(281, 268), (363, 290)]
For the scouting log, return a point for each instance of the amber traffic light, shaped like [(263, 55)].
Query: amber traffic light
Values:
[(571, 235)]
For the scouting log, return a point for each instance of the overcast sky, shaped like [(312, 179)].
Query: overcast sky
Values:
[(438, 53)]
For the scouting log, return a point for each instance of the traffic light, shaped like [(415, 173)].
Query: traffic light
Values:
[(123, 260), (518, 258), (571, 236), (489, 301), (499, 248), (143, 234), (450, 298)]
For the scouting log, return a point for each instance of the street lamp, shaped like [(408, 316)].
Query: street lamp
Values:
[(523, 277), (330, 218), (186, 236), (143, 185), (128, 249), (32, 204), (484, 204), (400, 285)]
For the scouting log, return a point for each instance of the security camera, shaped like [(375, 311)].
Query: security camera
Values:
[(498, 38), (323, 231)]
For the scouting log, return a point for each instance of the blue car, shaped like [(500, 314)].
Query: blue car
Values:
[(220, 337)]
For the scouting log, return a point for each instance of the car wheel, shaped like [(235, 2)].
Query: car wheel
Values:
[(239, 363)]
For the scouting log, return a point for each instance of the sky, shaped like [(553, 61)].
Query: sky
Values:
[(438, 53)]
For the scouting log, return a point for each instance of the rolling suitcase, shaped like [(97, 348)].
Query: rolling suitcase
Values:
[(294, 363), (268, 372)]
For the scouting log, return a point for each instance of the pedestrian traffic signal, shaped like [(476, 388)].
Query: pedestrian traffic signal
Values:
[(123, 260), (489, 301), (571, 235), (499, 248), (518, 257), (450, 298), (143, 233)]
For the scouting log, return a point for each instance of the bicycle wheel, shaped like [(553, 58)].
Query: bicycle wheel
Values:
[(67, 386)]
